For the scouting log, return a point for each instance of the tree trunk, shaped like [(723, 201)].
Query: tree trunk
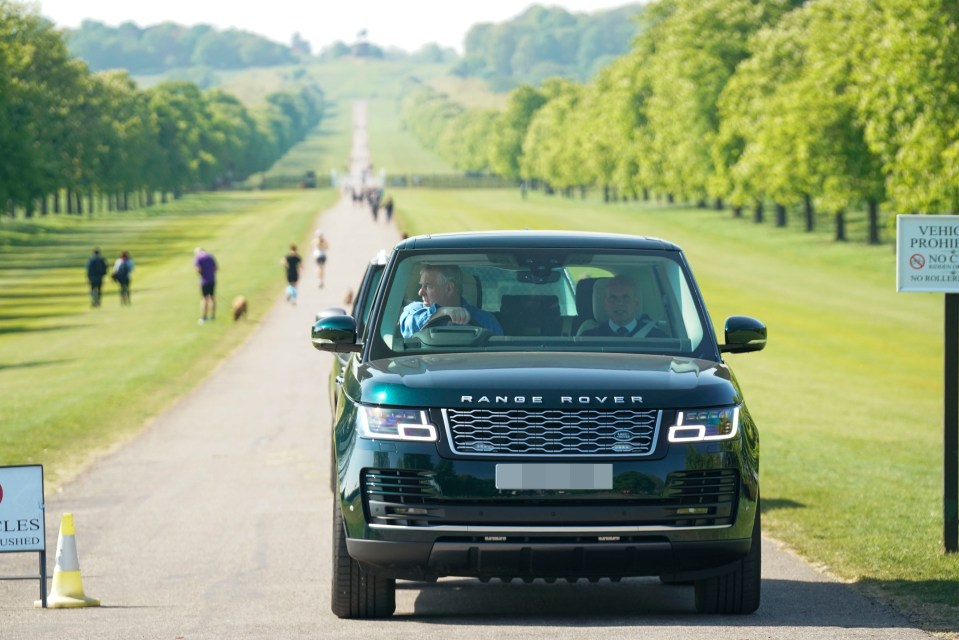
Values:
[(56, 201), (606, 193), (873, 222), (809, 213), (840, 226), (44, 206), (737, 211), (758, 213), (646, 194), (780, 215), (718, 204)]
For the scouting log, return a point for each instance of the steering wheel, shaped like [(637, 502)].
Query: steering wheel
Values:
[(443, 320), (439, 331)]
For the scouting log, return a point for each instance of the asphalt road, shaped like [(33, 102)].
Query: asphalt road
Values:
[(215, 522)]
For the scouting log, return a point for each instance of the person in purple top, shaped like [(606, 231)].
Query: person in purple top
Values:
[(206, 266)]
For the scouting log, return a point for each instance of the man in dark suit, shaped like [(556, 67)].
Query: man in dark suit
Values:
[(621, 301)]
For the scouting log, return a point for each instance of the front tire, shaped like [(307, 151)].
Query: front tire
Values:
[(736, 592), (356, 592)]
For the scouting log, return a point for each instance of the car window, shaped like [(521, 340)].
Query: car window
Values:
[(367, 292), (548, 300)]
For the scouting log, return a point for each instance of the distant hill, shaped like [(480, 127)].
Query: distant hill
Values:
[(541, 42), (159, 48), (548, 41)]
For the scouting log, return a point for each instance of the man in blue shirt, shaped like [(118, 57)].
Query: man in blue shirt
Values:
[(441, 288)]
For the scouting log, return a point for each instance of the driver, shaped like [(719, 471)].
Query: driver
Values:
[(441, 288)]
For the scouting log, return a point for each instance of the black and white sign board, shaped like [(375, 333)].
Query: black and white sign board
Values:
[(927, 253), (22, 522)]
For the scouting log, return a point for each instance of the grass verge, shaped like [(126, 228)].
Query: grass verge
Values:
[(76, 381)]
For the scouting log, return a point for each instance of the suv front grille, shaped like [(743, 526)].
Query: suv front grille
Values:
[(552, 432)]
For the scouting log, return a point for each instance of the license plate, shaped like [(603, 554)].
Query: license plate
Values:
[(554, 476)]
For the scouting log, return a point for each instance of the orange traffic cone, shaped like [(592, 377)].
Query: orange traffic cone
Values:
[(67, 591)]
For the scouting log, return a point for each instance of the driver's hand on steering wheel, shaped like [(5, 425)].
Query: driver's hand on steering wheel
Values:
[(457, 315)]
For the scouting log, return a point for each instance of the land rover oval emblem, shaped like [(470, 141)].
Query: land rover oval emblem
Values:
[(623, 435)]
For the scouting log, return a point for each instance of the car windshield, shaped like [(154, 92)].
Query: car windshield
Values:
[(545, 300)]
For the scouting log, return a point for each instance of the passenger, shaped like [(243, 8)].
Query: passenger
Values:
[(621, 302), (441, 288)]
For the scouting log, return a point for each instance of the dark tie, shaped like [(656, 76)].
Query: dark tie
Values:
[(622, 331)]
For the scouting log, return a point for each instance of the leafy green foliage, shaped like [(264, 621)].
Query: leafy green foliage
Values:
[(543, 42), (69, 131), (168, 45)]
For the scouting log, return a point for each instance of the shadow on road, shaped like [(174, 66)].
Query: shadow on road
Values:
[(639, 602)]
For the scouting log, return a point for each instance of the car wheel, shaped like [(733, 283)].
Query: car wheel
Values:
[(735, 592), (357, 593)]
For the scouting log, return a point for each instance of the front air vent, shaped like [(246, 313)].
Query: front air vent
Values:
[(552, 432)]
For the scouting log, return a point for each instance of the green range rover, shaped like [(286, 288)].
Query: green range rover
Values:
[(537, 404)]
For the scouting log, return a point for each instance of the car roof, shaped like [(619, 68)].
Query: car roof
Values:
[(528, 239)]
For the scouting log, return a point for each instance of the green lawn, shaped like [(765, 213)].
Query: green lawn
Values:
[(77, 380), (848, 393)]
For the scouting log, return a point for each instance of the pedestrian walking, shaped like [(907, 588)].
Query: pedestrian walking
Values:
[(206, 267), (388, 208), (96, 270), (292, 263), (122, 269), (320, 247)]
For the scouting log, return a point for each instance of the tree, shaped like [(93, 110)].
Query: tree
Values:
[(909, 98), (38, 86), (549, 152), (506, 140), (694, 49)]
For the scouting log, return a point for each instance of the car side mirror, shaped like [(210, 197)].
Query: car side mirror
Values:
[(744, 334), (336, 333)]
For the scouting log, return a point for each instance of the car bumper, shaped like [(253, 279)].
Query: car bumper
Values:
[(413, 514)]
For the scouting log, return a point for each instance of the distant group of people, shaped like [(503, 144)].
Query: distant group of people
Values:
[(373, 197), (120, 273), (206, 268)]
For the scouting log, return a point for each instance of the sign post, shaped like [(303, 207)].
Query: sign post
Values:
[(927, 260), (22, 523)]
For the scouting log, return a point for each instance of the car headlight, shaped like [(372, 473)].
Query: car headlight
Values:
[(395, 424), (699, 425)]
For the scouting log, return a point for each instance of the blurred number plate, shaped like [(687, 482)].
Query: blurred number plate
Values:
[(554, 476)]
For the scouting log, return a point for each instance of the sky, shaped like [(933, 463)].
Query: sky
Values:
[(406, 24)]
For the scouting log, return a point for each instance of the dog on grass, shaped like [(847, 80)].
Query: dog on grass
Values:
[(239, 307)]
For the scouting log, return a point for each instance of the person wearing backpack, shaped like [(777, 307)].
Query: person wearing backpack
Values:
[(122, 269), (96, 269)]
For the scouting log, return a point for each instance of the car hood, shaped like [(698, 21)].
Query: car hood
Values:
[(547, 380)]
